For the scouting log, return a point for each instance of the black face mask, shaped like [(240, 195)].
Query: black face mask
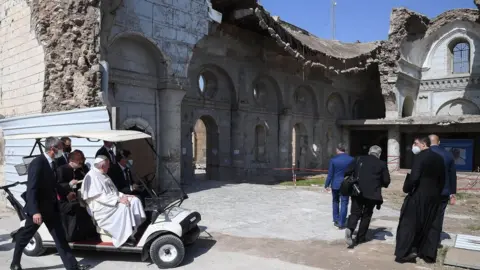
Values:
[(67, 149)]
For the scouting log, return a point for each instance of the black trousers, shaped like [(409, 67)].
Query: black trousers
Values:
[(361, 209), (54, 225)]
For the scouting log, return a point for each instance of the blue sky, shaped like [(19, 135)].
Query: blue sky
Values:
[(356, 20)]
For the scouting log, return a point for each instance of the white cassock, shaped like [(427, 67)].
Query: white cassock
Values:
[(117, 219)]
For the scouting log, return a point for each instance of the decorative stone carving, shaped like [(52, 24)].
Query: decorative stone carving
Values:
[(444, 84), (458, 107)]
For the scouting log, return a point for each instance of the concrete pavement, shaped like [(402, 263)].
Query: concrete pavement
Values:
[(238, 211)]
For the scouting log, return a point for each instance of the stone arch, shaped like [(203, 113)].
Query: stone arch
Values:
[(216, 79), (407, 108), (357, 109), (458, 106), (260, 143), (336, 105), (455, 45), (206, 144), (272, 90), (448, 38), (139, 51), (299, 145), (149, 42), (140, 124), (302, 103)]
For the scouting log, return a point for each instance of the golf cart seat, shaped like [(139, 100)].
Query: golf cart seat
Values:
[(104, 236)]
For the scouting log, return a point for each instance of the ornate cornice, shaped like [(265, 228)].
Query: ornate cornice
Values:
[(448, 83)]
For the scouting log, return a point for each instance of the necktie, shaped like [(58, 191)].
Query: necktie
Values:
[(128, 177), (112, 156), (54, 169)]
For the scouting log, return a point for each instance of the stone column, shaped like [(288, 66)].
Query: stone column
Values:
[(393, 152), (285, 139), (169, 136)]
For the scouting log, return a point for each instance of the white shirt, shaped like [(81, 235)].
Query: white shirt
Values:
[(49, 159)]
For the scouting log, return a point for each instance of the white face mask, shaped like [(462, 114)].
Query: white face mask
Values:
[(129, 163), (59, 154), (416, 150)]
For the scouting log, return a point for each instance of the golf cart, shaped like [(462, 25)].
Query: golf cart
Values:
[(162, 238)]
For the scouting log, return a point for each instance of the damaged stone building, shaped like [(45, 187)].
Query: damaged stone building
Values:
[(223, 84)]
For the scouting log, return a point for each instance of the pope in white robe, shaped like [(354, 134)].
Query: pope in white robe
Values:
[(116, 213)]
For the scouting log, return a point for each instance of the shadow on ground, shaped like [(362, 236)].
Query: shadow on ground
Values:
[(6, 246), (92, 258), (58, 266)]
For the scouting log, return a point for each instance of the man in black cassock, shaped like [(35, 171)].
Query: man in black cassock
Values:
[(76, 221), (416, 235)]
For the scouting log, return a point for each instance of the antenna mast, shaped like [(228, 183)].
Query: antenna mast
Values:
[(334, 5)]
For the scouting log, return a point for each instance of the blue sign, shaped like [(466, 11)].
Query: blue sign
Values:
[(462, 150)]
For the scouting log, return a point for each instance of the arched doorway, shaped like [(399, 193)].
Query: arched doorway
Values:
[(407, 109), (205, 146), (299, 146)]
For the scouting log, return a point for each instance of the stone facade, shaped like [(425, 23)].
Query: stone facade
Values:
[(269, 94)]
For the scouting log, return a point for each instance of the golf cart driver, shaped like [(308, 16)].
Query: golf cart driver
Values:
[(114, 212)]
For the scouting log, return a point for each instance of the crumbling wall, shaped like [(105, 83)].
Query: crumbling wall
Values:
[(69, 33), (404, 25)]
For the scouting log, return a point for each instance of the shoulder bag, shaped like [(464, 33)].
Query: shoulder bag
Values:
[(349, 186)]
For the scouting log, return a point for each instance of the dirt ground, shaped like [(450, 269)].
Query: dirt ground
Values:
[(372, 255), (463, 217)]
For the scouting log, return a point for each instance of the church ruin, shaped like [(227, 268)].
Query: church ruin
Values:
[(241, 96)]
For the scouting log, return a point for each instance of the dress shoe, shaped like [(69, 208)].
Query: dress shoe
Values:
[(83, 267), (348, 238), (15, 267), (410, 258)]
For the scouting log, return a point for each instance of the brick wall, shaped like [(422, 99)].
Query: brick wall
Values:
[(21, 61)]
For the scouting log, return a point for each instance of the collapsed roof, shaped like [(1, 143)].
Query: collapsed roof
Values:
[(311, 51)]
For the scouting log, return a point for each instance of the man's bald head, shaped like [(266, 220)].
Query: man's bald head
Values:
[(434, 139)]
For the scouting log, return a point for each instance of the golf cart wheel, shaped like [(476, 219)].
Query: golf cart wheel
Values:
[(167, 251), (35, 247)]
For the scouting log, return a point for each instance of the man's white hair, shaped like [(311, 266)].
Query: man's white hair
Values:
[(100, 161), (375, 150)]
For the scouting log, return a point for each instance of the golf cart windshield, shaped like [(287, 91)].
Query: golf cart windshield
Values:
[(158, 201)]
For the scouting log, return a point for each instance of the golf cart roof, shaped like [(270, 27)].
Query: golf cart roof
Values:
[(104, 135)]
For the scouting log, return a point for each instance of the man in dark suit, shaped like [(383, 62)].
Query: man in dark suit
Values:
[(450, 189), (336, 173), (41, 205), (372, 176), (121, 176), (67, 148), (106, 150)]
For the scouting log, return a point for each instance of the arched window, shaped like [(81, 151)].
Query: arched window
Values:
[(260, 142), (460, 57)]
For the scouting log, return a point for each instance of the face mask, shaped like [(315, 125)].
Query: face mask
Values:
[(59, 154), (416, 150), (130, 163), (75, 165), (67, 149)]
